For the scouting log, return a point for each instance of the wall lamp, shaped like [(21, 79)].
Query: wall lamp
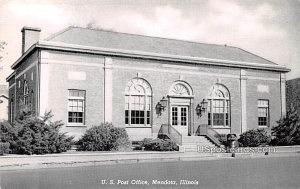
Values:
[(201, 107), (161, 105)]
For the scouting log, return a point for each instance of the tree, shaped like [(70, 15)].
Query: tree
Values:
[(2, 46), (93, 25), (287, 131), (35, 135)]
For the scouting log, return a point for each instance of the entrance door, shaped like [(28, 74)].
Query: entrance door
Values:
[(180, 116)]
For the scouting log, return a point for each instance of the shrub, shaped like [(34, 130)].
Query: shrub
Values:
[(4, 148), (105, 137), (254, 138), (33, 135), (160, 145), (287, 131), (8, 134)]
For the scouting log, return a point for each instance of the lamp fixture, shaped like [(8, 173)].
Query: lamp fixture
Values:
[(201, 107), (161, 105)]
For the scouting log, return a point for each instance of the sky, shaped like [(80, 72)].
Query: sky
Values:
[(268, 28)]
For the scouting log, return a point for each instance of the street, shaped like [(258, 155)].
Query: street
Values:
[(272, 172)]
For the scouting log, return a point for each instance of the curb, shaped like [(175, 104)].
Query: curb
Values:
[(131, 160), (90, 154), (103, 162)]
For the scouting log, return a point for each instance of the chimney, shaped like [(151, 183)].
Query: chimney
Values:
[(29, 37)]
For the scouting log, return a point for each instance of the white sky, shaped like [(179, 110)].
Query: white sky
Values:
[(269, 28)]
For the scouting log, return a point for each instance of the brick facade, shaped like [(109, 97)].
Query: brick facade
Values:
[(50, 74)]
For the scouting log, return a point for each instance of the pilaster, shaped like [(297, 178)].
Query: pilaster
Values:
[(243, 82), (44, 84), (108, 63)]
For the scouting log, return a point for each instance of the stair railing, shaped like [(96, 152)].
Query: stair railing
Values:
[(171, 133), (205, 130)]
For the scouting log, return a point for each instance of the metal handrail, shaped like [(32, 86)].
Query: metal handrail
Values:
[(205, 130), (171, 132)]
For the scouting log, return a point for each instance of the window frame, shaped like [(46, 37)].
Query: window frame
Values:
[(225, 100), (130, 103), (265, 107), (78, 98), (26, 98)]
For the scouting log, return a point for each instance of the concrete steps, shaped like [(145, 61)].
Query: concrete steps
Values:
[(191, 143)]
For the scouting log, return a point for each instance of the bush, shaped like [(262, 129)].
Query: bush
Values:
[(254, 138), (33, 135), (287, 132), (160, 145), (8, 134), (105, 137), (4, 148)]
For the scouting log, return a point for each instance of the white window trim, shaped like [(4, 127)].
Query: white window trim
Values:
[(211, 98), (72, 124), (26, 94), (145, 85), (268, 113)]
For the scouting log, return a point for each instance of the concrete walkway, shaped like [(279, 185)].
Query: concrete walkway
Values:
[(11, 162), (74, 159)]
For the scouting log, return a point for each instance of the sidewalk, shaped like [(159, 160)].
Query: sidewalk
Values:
[(75, 159), (12, 162)]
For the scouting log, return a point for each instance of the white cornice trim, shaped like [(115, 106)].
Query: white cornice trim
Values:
[(12, 86), (25, 54), (10, 76), (147, 55)]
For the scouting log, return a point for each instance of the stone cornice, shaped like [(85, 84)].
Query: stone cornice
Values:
[(147, 55)]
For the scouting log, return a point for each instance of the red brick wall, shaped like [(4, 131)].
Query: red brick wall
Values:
[(160, 76)]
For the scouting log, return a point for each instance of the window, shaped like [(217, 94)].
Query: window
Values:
[(263, 112), (12, 111), (138, 100), (76, 103), (219, 107), (26, 98)]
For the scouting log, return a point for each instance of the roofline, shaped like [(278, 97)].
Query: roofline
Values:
[(10, 76), (25, 54), (148, 55), (58, 33), (133, 34), (294, 79)]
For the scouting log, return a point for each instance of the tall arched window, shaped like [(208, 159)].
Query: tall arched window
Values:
[(219, 106), (26, 94), (138, 100)]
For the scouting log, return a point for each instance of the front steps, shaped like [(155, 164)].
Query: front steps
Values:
[(191, 143)]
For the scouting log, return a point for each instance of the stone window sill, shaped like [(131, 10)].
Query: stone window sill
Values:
[(75, 125), (138, 126), (220, 127)]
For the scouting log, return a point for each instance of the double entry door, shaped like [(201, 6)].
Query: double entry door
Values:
[(179, 115)]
